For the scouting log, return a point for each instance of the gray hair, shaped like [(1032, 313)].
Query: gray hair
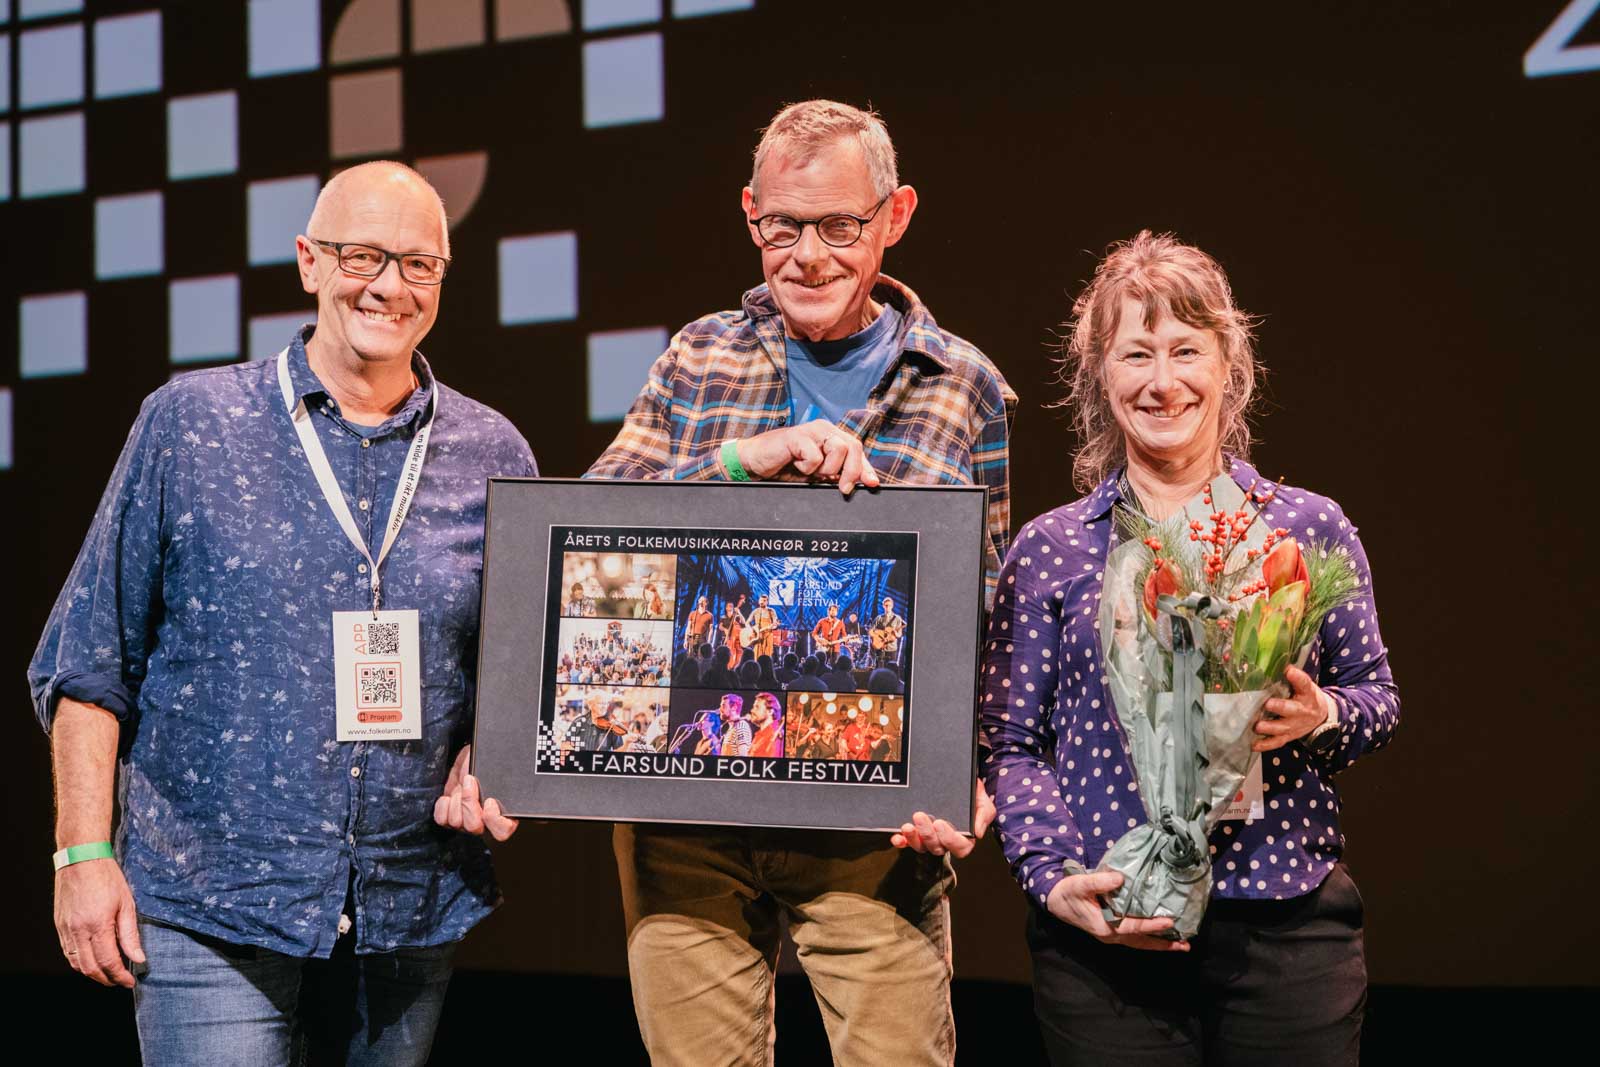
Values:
[(800, 131), (387, 167), (1165, 276)]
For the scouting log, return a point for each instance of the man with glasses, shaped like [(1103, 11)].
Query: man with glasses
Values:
[(278, 572), (831, 371)]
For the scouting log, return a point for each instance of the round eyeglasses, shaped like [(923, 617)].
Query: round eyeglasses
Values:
[(369, 261), (840, 230)]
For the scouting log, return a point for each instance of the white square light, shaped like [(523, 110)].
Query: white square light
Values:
[(5, 161), (619, 363), (51, 151), (51, 64), (128, 236), (203, 318), (5, 430), (5, 72), (127, 55), (538, 278), (34, 9), (202, 135), (604, 14), (53, 331), (688, 9), (269, 333), (278, 210), (622, 81), (285, 36)]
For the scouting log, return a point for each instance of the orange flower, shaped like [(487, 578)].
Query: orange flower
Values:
[(1284, 565), (1163, 580)]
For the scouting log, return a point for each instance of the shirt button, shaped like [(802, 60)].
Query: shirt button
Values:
[(355, 772), (361, 568), (363, 505), (366, 442), (351, 838)]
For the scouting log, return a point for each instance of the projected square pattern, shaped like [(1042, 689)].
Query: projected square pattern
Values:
[(56, 58)]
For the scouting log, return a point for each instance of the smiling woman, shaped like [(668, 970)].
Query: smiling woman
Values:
[(1161, 373)]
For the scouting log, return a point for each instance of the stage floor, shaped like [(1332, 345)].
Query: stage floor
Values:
[(994, 1020)]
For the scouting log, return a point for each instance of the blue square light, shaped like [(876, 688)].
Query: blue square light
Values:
[(622, 81), (35, 9), (619, 363), (688, 9), (51, 65), (605, 14), (5, 430), (5, 161), (202, 135), (53, 331), (5, 73), (278, 210), (127, 55), (538, 278), (203, 318), (285, 36), (128, 236), (51, 151), (270, 333)]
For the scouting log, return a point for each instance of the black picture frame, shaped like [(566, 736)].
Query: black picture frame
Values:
[(535, 753)]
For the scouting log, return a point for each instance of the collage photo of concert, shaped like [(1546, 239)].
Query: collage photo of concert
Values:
[(741, 656)]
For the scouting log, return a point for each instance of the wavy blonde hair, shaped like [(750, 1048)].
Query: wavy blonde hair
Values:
[(1169, 277)]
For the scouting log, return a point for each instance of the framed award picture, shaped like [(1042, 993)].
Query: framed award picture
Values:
[(766, 654)]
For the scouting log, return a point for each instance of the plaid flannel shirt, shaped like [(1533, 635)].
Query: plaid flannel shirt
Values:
[(941, 414)]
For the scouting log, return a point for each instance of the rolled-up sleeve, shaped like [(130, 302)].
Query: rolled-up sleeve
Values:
[(102, 628), (644, 447)]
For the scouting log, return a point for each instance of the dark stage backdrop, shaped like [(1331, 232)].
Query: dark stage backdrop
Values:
[(1413, 215)]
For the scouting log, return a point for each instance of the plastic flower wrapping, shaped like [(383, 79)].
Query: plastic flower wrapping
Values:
[(1199, 620)]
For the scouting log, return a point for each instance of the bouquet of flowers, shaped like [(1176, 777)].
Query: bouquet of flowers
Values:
[(1199, 620)]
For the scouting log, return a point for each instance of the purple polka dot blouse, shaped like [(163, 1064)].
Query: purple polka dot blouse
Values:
[(1055, 758)]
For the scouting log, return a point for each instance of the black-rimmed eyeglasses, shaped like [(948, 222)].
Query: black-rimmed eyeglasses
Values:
[(369, 261), (841, 230)]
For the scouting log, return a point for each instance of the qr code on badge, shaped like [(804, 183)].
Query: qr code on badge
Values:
[(378, 685), (383, 639)]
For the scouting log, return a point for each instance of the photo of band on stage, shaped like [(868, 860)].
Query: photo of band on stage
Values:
[(802, 657)]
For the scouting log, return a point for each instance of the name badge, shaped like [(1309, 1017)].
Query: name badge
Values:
[(1247, 802), (378, 675)]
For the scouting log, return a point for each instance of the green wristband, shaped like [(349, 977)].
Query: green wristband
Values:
[(95, 850), (730, 460)]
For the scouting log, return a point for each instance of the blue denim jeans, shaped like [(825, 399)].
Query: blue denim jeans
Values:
[(206, 1001)]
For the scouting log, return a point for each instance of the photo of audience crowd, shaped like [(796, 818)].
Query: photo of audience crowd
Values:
[(613, 652)]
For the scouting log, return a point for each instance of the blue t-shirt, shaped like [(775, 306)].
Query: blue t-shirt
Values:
[(829, 378)]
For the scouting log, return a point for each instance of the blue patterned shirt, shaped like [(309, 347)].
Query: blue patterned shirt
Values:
[(1057, 764), (199, 611)]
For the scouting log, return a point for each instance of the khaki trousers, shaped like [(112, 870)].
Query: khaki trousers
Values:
[(871, 924)]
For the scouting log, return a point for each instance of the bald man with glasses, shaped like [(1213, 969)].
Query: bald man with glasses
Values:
[(265, 652)]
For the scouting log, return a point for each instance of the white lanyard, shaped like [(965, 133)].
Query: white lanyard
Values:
[(404, 493)]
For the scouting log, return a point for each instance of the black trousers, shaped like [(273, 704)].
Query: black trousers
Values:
[(1265, 982)]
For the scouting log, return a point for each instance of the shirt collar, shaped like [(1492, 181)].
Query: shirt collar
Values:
[(919, 334), (1108, 494), (308, 387)]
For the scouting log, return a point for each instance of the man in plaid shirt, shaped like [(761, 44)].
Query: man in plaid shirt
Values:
[(831, 371)]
